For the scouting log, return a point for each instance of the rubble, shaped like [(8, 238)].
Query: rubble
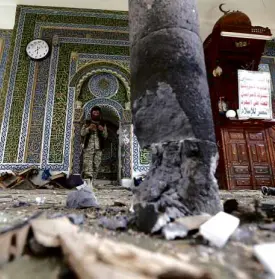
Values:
[(21, 204), (234, 260), (265, 253), (116, 223), (119, 204), (219, 228), (268, 191), (174, 230), (40, 200), (267, 227), (32, 178), (76, 219), (83, 198), (230, 205), (244, 234), (181, 227), (193, 222), (93, 257)]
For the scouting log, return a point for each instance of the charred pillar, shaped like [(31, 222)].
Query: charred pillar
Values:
[(171, 112)]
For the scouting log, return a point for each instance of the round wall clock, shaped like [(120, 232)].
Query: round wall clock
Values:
[(37, 49)]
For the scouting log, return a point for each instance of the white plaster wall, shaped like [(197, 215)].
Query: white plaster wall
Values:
[(8, 7), (7, 15)]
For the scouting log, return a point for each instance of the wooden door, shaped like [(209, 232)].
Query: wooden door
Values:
[(261, 168), (237, 163), (248, 159)]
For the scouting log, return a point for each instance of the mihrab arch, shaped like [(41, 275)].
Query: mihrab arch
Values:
[(118, 111)]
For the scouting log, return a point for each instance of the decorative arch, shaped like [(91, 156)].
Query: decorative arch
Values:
[(100, 67), (124, 160), (102, 102)]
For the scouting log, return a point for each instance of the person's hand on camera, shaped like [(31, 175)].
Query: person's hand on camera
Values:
[(92, 127)]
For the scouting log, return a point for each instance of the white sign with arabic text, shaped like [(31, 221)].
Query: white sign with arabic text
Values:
[(254, 95)]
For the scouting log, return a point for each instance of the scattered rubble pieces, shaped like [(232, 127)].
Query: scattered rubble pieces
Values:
[(116, 223), (219, 228), (7, 179), (267, 227), (265, 253), (193, 222), (184, 226), (32, 178), (174, 230), (237, 255), (6, 198), (269, 209), (82, 198), (230, 205), (20, 180), (93, 257), (40, 200), (244, 234), (119, 204), (21, 204), (76, 219), (268, 191)]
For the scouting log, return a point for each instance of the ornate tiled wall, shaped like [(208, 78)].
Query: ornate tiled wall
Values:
[(5, 41), (37, 119)]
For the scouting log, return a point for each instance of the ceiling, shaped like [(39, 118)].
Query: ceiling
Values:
[(261, 12)]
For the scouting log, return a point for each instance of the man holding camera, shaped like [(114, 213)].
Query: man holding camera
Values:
[(94, 133)]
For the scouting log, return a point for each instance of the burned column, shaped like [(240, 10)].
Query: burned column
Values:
[(171, 112)]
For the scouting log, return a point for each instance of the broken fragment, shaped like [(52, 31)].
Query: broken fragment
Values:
[(183, 226), (83, 198), (193, 222), (267, 227), (174, 230), (219, 228), (116, 223), (230, 205), (265, 253), (268, 191)]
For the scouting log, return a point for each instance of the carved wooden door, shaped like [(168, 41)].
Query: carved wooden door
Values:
[(237, 161), (248, 160), (260, 160)]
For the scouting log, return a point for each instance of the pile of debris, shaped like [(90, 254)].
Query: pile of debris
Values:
[(33, 178), (88, 256), (213, 231)]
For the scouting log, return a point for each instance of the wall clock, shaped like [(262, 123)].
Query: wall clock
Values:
[(38, 49)]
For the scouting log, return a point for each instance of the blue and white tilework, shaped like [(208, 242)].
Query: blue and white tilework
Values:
[(103, 85), (50, 96), (6, 37), (137, 166)]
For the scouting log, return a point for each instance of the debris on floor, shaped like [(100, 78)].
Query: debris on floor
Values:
[(236, 259), (267, 227), (244, 234), (174, 230), (7, 179), (230, 206), (32, 178), (119, 204), (268, 191), (265, 253), (92, 257), (181, 227), (82, 198), (219, 228), (115, 223)]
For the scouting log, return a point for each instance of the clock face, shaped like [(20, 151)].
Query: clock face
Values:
[(37, 49)]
